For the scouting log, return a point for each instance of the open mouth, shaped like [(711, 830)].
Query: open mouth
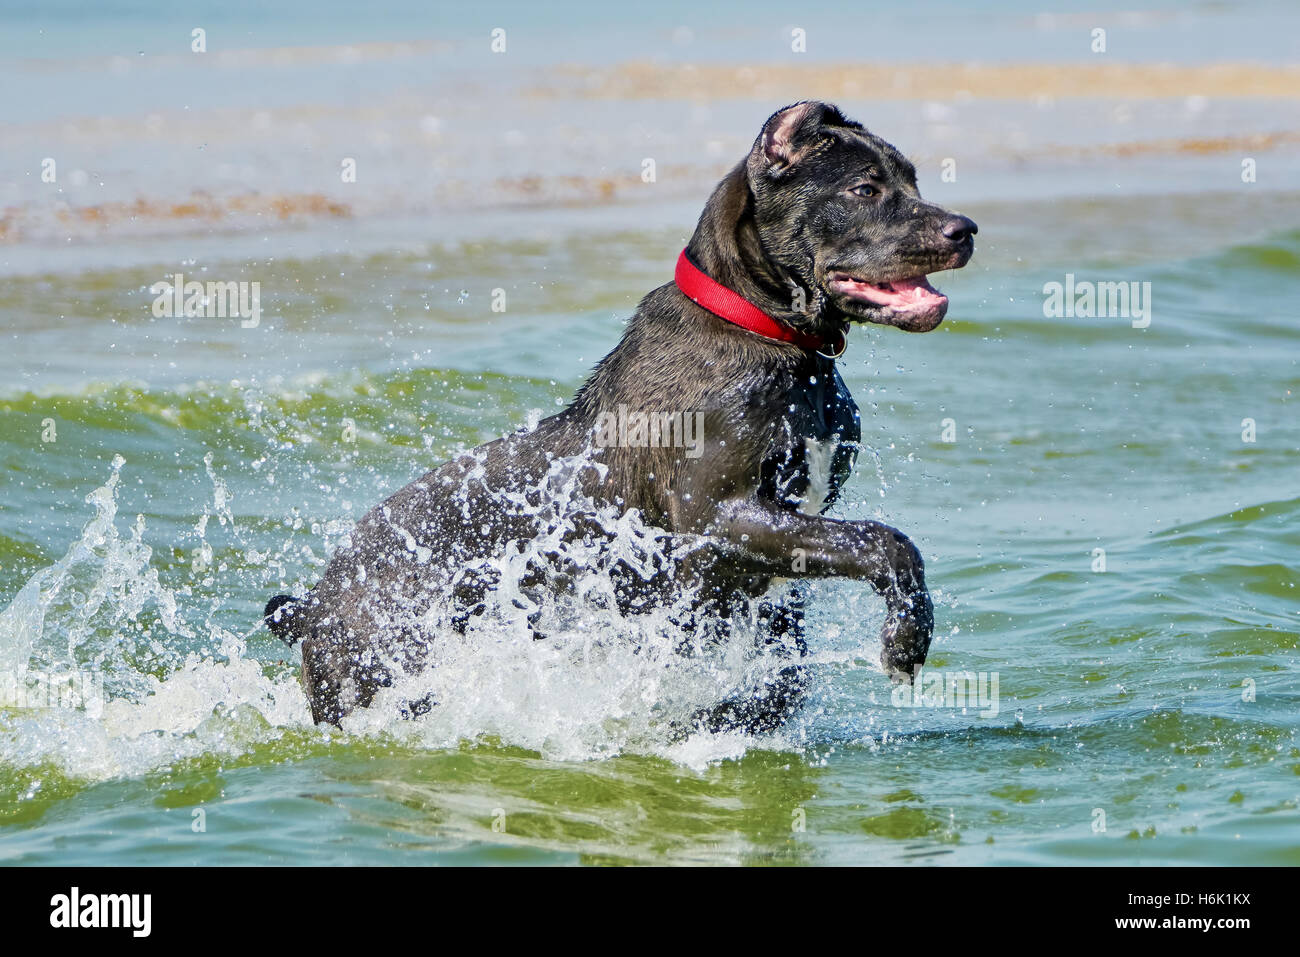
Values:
[(911, 303)]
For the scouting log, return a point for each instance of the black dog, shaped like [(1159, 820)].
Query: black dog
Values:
[(821, 225)]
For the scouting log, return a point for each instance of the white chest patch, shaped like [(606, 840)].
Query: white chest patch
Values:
[(819, 457)]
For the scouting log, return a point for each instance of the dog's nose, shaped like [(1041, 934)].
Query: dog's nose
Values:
[(960, 228)]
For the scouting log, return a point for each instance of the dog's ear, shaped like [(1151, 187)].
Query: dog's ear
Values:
[(790, 133)]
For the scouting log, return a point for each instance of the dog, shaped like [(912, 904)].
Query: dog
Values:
[(821, 226)]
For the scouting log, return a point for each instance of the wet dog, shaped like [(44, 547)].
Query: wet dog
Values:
[(820, 226)]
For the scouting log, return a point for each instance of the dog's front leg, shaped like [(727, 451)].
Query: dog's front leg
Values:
[(766, 539)]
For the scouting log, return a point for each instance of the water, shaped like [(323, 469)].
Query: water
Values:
[(161, 477)]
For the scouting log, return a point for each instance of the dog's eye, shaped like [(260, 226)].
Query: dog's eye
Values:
[(864, 190)]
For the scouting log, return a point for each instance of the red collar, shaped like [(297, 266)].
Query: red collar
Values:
[(721, 301)]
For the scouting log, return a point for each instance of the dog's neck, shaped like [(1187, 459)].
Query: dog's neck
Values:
[(727, 248)]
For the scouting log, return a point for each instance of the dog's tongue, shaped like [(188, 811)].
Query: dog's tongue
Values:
[(913, 292), (909, 295)]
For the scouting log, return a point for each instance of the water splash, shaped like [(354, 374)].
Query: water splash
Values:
[(598, 682), (85, 610), (178, 685), (102, 609)]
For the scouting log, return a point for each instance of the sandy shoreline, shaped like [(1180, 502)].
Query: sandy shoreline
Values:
[(941, 81), (578, 136)]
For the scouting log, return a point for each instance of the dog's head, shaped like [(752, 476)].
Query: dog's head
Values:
[(837, 209)]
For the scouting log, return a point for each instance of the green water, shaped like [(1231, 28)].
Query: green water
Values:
[(1158, 696)]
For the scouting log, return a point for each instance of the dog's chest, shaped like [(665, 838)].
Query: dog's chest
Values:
[(815, 441)]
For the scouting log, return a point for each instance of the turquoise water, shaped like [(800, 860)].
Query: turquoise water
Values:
[(161, 477), (1119, 691)]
